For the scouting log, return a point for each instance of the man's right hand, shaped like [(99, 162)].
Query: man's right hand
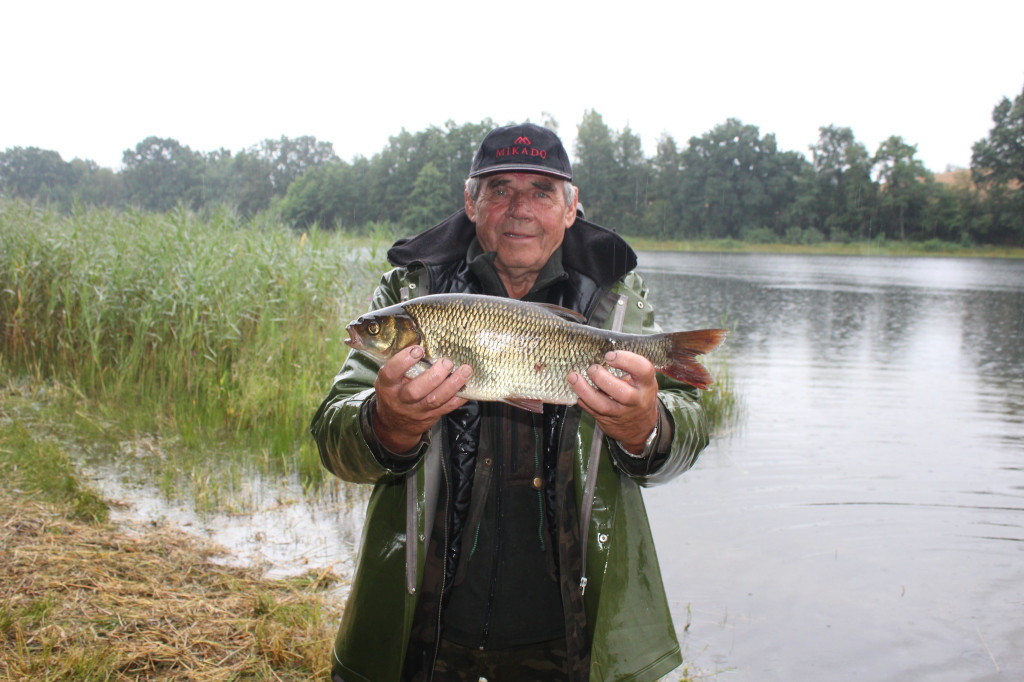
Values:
[(407, 408)]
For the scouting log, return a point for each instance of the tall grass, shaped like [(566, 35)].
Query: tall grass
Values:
[(207, 330), (194, 347)]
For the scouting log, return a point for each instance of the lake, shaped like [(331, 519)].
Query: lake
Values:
[(865, 519)]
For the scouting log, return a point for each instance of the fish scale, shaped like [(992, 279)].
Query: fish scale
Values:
[(523, 351), (520, 352)]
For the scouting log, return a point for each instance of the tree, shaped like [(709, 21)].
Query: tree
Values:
[(161, 172), (250, 188), (1000, 157), (455, 155), (903, 191), (96, 185), (429, 202), (997, 164), (734, 183), (630, 181), (287, 159), (216, 179), (331, 195), (843, 192), (34, 173), (595, 168), (315, 198), (661, 217)]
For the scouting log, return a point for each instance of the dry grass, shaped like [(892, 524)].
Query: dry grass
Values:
[(86, 601)]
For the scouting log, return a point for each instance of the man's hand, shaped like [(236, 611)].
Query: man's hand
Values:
[(407, 408), (626, 409)]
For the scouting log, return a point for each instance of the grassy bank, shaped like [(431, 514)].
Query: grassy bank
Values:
[(82, 600)]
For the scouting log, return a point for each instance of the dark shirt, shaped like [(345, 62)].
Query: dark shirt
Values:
[(506, 592)]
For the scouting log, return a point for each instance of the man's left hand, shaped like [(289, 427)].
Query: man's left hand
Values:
[(626, 409)]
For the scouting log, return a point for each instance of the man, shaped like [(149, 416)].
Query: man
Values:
[(497, 542)]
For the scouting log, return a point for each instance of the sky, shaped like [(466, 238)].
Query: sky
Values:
[(93, 79)]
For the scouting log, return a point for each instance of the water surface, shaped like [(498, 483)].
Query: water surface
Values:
[(866, 519)]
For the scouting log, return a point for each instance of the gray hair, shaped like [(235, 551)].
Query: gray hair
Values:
[(473, 189)]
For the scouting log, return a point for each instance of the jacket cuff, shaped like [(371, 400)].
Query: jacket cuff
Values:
[(395, 462), (633, 465)]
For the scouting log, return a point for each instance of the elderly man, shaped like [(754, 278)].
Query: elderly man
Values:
[(501, 543)]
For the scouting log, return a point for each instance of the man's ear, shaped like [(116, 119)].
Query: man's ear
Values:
[(570, 210), (470, 207)]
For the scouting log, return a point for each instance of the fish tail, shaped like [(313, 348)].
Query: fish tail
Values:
[(682, 350)]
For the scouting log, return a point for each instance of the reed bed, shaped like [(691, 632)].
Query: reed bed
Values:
[(203, 342), (204, 332)]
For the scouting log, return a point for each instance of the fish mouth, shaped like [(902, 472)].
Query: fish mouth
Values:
[(354, 340)]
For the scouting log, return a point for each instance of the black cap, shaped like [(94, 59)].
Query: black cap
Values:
[(521, 147)]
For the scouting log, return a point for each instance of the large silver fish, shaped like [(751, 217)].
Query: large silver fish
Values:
[(521, 353)]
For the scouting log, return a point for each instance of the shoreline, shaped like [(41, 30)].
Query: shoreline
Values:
[(932, 249)]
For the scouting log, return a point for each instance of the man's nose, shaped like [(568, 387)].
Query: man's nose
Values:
[(519, 205)]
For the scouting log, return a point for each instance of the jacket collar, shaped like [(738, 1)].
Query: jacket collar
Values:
[(588, 248)]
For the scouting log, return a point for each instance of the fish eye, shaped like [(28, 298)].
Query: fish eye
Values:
[(373, 328)]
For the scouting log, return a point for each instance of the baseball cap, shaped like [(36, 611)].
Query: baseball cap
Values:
[(521, 147)]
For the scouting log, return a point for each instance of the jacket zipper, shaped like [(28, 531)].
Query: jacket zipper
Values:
[(444, 560), (593, 461)]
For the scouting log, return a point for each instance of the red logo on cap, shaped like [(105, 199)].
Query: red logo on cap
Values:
[(522, 140)]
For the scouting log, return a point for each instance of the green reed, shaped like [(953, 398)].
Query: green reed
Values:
[(190, 349), (722, 402), (210, 330)]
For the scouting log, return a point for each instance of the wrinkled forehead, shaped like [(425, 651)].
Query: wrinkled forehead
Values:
[(547, 183)]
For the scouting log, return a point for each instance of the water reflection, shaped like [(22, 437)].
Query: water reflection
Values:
[(868, 520), (274, 525)]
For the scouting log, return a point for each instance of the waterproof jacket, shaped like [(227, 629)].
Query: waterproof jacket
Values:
[(617, 618)]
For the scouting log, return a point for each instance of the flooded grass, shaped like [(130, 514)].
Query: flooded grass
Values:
[(82, 599)]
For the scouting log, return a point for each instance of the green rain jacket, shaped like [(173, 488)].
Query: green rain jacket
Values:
[(617, 582)]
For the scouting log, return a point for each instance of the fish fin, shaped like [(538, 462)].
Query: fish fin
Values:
[(564, 313), (686, 346), (528, 404)]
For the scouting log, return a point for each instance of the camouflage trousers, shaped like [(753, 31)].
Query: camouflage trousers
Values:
[(544, 662)]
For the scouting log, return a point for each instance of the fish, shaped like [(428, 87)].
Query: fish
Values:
[(521, 352)]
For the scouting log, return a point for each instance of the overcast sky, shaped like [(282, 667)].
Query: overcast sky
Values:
[(91, 79)]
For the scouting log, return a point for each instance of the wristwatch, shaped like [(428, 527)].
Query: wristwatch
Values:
[(648, 445)]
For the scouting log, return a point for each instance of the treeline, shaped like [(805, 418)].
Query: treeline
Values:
[(732, 182)]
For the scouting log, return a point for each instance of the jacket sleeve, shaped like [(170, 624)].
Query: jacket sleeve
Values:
[(682, 425), (342, 425)]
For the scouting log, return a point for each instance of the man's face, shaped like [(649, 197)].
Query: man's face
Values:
[(521, 216)]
